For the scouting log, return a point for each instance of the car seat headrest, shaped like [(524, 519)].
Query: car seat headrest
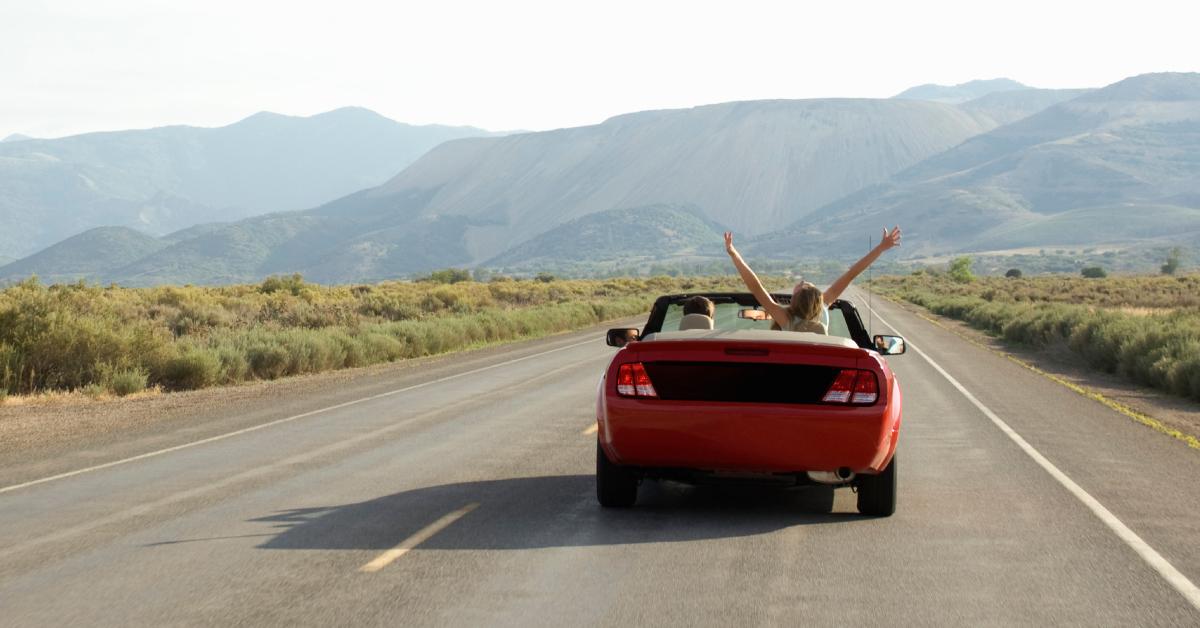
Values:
[(695, 321)]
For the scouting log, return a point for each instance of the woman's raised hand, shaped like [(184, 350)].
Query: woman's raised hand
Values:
[(729, 243), (890, 238)]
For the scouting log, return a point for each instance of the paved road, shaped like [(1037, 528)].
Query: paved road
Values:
[(467, 495)]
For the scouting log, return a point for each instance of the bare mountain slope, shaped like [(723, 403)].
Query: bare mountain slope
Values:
[(1118, 164), (750, 165), (1009, 106)]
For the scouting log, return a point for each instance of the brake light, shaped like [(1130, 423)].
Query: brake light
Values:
[(866, 388), (842, 387), (633, 381), (853, 386)]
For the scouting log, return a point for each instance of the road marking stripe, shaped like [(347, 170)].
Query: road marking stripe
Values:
[(254, 428), (256, 472), (1173, 576), (422, 535), (591, 430)]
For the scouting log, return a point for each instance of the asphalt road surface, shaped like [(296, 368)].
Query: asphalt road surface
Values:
[(462, 494)]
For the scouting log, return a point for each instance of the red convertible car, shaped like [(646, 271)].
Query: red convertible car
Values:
[(741, 402)]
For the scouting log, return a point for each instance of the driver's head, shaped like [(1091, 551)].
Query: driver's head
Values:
[(699, 305)]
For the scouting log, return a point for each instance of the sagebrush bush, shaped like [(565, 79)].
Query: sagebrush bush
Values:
[(193, 368), (127, 382)]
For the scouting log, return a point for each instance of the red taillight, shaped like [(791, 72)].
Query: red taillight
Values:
[(842, 387), (853, 386), (866, 388), (633, 381)]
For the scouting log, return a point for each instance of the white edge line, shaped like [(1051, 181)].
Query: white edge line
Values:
[(420, 536), (260, 426), (1173, 576)]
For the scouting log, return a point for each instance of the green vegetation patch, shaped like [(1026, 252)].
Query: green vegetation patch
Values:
[(123, 340), (1146, 329)]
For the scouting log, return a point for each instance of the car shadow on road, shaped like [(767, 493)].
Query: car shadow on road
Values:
[(552, 511)]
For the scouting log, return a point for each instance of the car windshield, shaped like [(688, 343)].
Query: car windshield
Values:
[(726, 317)]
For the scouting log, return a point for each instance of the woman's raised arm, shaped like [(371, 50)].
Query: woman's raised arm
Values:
[(890, 239), (777, 312)]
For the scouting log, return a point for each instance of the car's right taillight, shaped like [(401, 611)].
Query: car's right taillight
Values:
[(853, 386), (633, 381)]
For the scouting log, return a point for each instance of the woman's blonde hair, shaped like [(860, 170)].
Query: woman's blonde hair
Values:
[(807, 300)]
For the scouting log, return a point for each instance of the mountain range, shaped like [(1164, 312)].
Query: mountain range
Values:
[(1007, 168), (747, 165), (168, 178)]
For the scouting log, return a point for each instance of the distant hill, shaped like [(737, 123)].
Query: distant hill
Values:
[(1115, 165), (164, 179), (955, 94), (15, 137), (751, 165), (1010, 106), (85, 256), (655, 232), (6, 260)]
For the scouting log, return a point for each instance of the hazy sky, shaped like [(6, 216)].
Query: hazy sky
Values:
[(75, 66)]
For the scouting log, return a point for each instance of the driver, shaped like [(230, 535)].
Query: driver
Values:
[(697, 314)]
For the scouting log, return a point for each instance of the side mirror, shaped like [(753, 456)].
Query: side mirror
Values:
[(752, 314), (622, 336), (890, 345)]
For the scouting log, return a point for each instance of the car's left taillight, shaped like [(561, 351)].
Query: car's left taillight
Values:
[(853, 386), (633, 381)]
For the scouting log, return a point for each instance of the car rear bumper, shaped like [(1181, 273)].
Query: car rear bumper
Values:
[(748, 437)]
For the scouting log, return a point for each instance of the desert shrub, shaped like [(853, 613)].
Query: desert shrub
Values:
[(193, 368), (267, 361), (1013, 273), (126, 382), (292, 284), (1093, 272)]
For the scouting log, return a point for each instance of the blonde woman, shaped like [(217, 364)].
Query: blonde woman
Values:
[(807, 311)]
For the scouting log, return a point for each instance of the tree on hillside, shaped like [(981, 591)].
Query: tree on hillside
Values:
[(1013, 273), (1172, 264), (960, 270), (1093, 272)]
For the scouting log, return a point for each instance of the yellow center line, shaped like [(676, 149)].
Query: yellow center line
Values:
[(422, 535), (591, 430)]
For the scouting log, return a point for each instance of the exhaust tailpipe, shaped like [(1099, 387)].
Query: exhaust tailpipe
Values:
[(840, 476)]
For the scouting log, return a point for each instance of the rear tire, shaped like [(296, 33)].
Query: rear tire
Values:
[(616, 486), (877, 493)]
